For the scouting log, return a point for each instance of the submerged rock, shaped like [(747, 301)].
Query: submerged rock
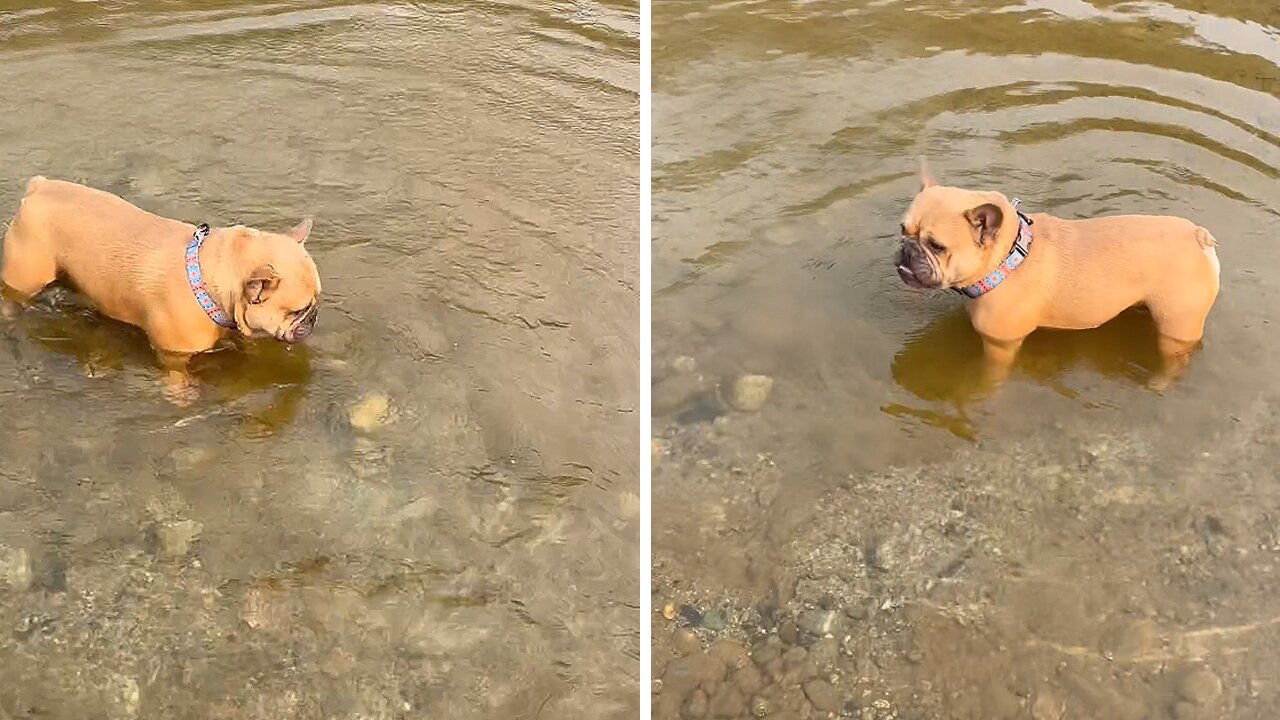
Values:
[(371, 412), (15, 568), (751, 391)]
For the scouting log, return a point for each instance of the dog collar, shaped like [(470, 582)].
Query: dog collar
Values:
[(1021, 247), (196, 279)]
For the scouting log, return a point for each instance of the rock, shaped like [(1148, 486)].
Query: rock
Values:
[(669, 611), (175, 538), (748, 680), (1137, 639), (690, 615), (695, 705), (1183, 710), (675, 393), (1047, 706), (789, 633), (728, 703), (685, 641), (371, 412), (190, 458), (730, 652), (15, 568), (823, 695), (714, 620), (817, 622), (765, 652), (751, 391), (1200, 686), (124, 697), (823, 654), (684, 364)]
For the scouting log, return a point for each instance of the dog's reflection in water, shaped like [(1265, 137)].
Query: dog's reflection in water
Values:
[(262, 382), (944, 365)]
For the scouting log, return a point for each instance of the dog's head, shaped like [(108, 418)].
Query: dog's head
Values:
[(952, 237), (279, 287)]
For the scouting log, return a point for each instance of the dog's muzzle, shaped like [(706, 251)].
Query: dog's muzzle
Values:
[(303, 327)]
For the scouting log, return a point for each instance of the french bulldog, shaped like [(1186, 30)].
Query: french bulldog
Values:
[(1023, 272), (186, 286)]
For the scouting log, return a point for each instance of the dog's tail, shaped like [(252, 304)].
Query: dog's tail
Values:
[(35, 182), (1205, 239), (1207, 245)]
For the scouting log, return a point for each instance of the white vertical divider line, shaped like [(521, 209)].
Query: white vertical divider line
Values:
[(646, 356)]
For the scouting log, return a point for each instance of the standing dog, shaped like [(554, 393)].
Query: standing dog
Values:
[(1025, 272), (187, 287)]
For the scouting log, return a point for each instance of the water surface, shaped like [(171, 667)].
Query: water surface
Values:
[(282, 549), (785, 138)]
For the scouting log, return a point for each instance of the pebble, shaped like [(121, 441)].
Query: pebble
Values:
[(175, 538), (669, 611), (695, 705), (1200, 686), (188, 459), (684, 364), (15, 567), (370, 412), (714, 620), (748, 679), (823, 695), (730, 652), (675, 393), (817, 622), (765, 652), (1138, 639), (690, 615), (751, 391), (685, 641), (1184, 710), (823, 654), (126, 697), (789, 633), (1046, 706), (728, 703)]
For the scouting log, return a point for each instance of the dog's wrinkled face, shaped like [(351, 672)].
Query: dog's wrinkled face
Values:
[(950, 237), (280, 288)]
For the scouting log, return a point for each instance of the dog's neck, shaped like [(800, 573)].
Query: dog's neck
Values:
[(1011, 251), (215, 258)]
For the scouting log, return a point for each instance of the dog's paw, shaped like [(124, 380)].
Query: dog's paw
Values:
[(182, 392)]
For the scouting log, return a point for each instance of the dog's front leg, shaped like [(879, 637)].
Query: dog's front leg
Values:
[(999, 356), (179, 386)]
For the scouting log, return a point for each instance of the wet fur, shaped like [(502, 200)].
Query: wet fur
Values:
[(1079, 273), (131, 264)]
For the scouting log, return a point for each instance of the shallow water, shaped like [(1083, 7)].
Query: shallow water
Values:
[(785, 137), (472, 171)]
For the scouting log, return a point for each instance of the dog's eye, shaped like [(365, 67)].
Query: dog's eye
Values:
[(936, 247)]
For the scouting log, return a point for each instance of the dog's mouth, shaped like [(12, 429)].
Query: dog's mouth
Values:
[(915, 271), (301, 329), (908, 277)]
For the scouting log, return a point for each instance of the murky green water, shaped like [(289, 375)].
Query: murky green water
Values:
[(784, 142), (472, 168)]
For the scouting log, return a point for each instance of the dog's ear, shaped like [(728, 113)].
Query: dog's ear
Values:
[(926, 177), (300, 231), (261, 284), (986, 219)]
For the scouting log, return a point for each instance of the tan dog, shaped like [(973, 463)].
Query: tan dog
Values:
[(1073, 275), (133, 266)]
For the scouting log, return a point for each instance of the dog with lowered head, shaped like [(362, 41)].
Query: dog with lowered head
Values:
[(1039, 271), (136, 268)]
